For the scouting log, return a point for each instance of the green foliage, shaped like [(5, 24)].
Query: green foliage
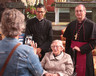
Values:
[(30, 11)]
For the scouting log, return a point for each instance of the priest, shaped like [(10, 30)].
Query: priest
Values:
[(81, 39), (41, 30)]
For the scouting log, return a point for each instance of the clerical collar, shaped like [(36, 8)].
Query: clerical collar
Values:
[(39, 19), (81, 21)]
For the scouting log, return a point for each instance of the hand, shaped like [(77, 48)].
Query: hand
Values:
[(76, 48), (39, 52), (34, 45), (56, 74), (48, 74)]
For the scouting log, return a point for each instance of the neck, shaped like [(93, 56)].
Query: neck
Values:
[(80, 20), (57, 54), (39, 19)]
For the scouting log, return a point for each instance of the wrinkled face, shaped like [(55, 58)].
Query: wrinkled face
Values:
[(40, 12), (56, 48), (80, 12)]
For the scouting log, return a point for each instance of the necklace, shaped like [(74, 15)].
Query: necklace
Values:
[(76, 35)]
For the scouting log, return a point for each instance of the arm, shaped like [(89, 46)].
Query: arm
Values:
[(28, 28), (88, 47), (34, 64), (67, 46), (91, 31), (67, 35), (43, 62), (46, 73), (68, 67)]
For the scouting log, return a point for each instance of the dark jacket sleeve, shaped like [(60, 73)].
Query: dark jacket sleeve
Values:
[(28, 27), (68, 36), (88, 47), (67, 33), (67, 46), (92, 38)]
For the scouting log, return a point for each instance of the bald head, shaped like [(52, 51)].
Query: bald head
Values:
[(81, 5), (80, 12)]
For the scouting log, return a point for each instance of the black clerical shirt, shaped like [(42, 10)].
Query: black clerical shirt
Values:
[(41, 31)]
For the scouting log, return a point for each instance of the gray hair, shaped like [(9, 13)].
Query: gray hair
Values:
[(12, 22), (59, 42)]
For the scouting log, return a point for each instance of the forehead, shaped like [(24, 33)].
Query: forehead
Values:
[(40, 9), (56, 43), (80, 7)]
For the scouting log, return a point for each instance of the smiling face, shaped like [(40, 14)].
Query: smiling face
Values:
[(80, 12), (40, 12), (56, 47)]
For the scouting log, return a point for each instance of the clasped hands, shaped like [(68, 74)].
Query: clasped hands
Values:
[(50, 74)]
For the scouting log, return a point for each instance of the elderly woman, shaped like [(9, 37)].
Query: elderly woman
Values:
[(57, 62), (23, 61)]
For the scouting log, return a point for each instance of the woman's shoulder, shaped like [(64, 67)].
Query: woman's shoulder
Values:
[(25, 48), (48, 53), (67, 55)]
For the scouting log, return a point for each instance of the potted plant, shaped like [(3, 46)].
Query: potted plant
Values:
[(30, 11)]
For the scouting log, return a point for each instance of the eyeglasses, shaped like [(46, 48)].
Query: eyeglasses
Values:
[(55, 46), (40, 11)]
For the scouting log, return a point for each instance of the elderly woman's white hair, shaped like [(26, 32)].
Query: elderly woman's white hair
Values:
[(60, 43)]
